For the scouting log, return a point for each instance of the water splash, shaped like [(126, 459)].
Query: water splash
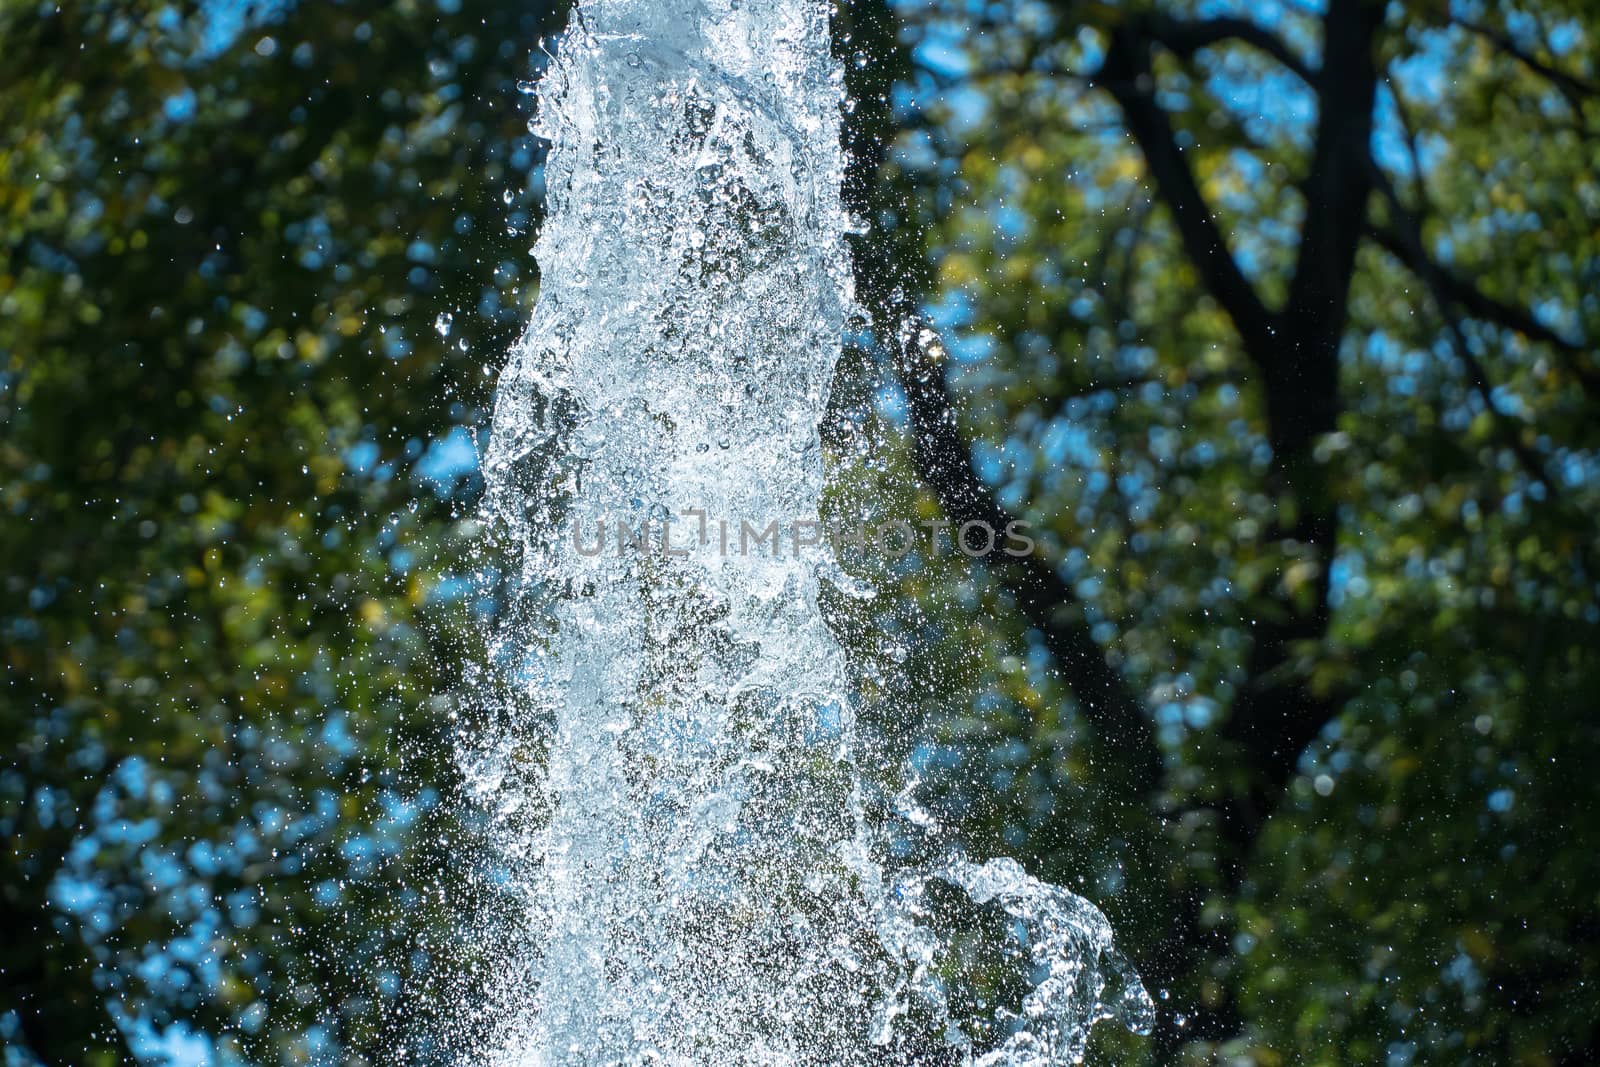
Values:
[(669, 746)]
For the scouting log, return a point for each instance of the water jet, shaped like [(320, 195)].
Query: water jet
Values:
[(674, 754)]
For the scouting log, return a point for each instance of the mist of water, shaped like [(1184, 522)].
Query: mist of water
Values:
[(671, 752)]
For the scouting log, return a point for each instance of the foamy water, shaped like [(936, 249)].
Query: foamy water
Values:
[(672, 756)]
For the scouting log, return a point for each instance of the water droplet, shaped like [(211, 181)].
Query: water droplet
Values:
[(687, 690)]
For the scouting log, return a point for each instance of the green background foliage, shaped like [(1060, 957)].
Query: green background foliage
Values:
[(224, 259), (260, 264)]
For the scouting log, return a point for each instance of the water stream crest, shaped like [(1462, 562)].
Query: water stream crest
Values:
[(671, 751)]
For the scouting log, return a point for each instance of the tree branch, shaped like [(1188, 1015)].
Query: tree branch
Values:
[(1184, 38), (1477, 304), (1122, 730), (1574, 89), (1048, 602), (1338, 183), (1411, 243), (1278, 712), (1126, 74)]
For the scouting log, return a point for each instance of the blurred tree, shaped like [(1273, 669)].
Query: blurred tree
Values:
[(1277, 321), (231, 242)]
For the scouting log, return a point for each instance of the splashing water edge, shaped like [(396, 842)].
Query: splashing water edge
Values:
[(667, 743)]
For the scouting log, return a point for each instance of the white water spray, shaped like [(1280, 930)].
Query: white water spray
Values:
[(672, 758)]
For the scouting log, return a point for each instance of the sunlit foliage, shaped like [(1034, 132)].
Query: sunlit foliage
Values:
[(228, 236), (256, 259), (1421, 891)]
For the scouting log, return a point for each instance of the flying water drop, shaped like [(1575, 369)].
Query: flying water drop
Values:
[(666, 740)]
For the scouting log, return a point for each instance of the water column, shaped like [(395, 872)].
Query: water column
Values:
[(702, 875), (665, 737)]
